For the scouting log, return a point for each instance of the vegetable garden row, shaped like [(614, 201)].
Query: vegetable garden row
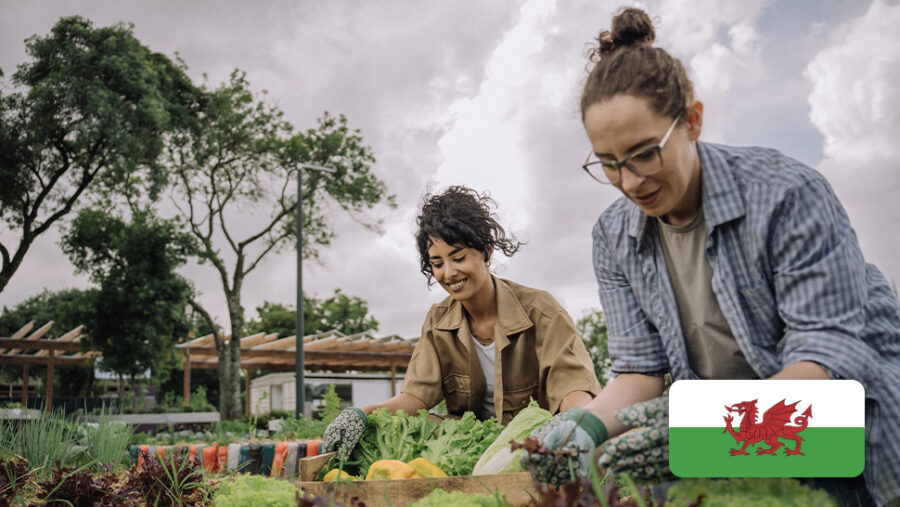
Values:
[(401, 459)]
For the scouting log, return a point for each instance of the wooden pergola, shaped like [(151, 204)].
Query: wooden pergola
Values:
[(49, 353), (327, 351)]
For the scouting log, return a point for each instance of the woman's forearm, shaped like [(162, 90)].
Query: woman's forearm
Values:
[(403, 401), (802, 370), (624, 390), (575, 399)]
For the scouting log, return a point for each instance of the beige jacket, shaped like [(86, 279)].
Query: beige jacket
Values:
[(539, 354)]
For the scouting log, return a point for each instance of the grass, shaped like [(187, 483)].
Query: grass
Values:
[(106, 442), (40, 442)]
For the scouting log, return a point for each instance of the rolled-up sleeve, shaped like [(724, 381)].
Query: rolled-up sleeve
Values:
[(565, 360), (423, 375), (635, 345), (820, 284)]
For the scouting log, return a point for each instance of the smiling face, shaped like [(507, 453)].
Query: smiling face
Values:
[(462, 271), (624, 124)]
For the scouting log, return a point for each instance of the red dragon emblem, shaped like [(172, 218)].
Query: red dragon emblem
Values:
[(774, 425)]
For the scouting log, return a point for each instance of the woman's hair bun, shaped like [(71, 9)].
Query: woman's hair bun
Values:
[(630, 27)]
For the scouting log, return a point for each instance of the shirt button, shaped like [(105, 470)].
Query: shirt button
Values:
[(524, 402)]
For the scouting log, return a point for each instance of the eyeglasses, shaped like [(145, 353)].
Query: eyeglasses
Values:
[(645, 162)]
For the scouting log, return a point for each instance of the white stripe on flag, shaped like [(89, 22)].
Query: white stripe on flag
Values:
[(701, 403)]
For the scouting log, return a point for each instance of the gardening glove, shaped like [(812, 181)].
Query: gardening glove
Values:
[(344, 432), (642, 453), (545, 429), (578, 430)]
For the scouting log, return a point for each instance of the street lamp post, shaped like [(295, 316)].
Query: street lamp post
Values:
[(298, 368)]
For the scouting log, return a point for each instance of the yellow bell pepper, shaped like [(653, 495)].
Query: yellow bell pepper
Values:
[(337, 473), (389, 469), (425, 468)]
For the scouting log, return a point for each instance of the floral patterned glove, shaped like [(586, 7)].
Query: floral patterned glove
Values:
[(545, 429), (577, 430), (344, 432), (642, 453)]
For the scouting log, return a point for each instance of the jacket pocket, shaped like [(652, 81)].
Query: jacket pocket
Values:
[(457, 388), (517, 398)]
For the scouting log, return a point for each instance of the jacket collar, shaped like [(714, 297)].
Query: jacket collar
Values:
[(722, 200), (511, 316)]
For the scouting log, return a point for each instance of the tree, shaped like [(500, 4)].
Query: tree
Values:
[(346, 314), (592, 327), (141, 300), (242, 161), (90, 117), (67, 309)]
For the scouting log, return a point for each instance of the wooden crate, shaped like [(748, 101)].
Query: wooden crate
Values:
[(518, 488)]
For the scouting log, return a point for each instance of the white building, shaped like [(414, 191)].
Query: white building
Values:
[(355, 389)]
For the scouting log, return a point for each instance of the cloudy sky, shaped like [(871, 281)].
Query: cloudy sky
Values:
[(486, 94)]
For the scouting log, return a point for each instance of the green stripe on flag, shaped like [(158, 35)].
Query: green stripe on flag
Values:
[(827, 452)]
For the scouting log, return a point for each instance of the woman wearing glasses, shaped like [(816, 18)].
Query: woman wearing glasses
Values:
[(720, 263), (492, 345)]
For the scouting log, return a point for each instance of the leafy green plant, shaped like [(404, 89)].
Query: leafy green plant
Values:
[(13, 473), (173, 480), (332, 405), (247, 490), (199, 400), (298, 429), (70, 486), (107, 441), (747, 492), (40, 442)]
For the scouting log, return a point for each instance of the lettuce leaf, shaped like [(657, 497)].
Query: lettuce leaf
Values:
[(498, 458), (460, 442)]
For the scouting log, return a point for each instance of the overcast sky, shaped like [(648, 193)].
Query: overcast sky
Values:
[(486, 94)]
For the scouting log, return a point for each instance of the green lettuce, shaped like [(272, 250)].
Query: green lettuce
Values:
[(460, 442), (498, 458)]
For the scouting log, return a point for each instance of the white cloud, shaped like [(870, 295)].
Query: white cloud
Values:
[(855, 103), (482, 149)]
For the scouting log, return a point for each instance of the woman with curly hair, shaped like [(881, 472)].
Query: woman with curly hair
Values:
[(492, 344)]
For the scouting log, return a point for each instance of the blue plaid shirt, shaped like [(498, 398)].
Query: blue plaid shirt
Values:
[(790, 279)]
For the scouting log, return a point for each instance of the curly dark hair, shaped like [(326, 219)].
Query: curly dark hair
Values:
[(460, 216)]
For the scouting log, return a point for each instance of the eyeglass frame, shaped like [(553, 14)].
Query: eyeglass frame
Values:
[(618, 164)]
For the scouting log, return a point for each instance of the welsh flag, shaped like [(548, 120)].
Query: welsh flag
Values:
[(766, 428)]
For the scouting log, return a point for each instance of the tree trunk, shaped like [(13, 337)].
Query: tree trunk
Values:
[(134, 395), (236, 313)]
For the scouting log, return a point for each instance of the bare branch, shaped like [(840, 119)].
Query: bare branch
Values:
[(220, 342), (272, 245)]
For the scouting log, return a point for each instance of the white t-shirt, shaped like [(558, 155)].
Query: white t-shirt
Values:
[(486, 358)]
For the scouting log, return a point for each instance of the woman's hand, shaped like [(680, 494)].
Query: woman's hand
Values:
[(344, 432)]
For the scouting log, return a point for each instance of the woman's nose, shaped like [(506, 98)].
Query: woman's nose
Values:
[(630, 181)]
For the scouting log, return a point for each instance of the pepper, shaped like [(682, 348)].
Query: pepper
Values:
[(389, 469), (337, 473), (425, 468)]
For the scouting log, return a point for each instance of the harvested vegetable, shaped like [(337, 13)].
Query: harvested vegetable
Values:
[(335, 474), (425, 468), (460, 442), (389, 469), (499, 458)]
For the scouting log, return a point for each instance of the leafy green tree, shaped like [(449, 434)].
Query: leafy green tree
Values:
[(67, 309), (87, 119), (592, 327), (347, 314), (242, 161), (141, 300)]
